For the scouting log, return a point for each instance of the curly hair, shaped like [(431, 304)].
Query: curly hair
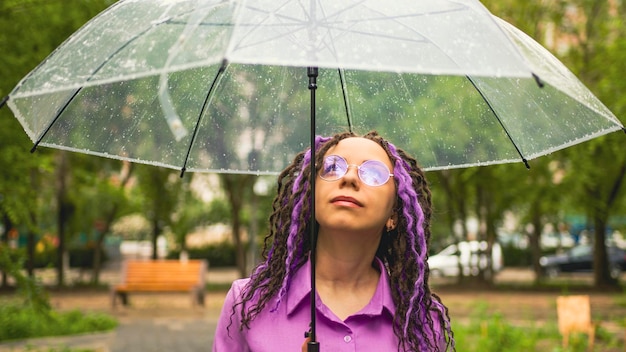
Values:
[(420, 316)]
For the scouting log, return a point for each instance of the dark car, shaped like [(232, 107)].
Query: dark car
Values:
[(580, 259)]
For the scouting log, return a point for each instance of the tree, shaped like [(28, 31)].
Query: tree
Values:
[(100, 198), (586, 35), (190, 214), (159, 190), (238, 189), (30, 30), (598, 30)]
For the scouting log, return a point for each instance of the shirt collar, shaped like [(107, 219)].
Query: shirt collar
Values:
[(300, 289)]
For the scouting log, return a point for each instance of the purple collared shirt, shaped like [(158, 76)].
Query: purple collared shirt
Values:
[(283, 330)]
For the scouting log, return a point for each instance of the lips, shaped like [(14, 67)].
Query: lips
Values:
[(345, 200)]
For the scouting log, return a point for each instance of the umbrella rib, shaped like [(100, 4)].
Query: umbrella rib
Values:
[(56, 118), (524, 160), (344, 91), (209, 94)]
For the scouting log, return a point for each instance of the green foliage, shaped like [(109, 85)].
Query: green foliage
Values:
[(514, 256), (218, 255), (20, 322), (518, 257), (218, 212), (60, 349), (82, 257), (496, 334), (30, 314), (29, 31), (79, 256), (491, 332), (30, 292)]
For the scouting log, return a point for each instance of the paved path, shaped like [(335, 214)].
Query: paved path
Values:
[(138, 334)]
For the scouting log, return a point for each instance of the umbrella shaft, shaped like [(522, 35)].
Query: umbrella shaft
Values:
[(312, 73)]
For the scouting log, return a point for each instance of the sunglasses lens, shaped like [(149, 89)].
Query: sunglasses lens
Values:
[(334, 168), (374, 173), (371, 172)]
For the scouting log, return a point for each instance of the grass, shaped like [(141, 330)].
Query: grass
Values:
[(492, 333), (61, 349), (218, 287)]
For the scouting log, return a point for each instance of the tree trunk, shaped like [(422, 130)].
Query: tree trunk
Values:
[(62, 215), (534, 239), (156, 230), (489, 274), (483, 218), (601, 273), (97, 255), (30, 254), (106, 227), (236, 187), (5, 241), (31, 240)]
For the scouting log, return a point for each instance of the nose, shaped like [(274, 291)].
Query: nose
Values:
[(352, 174)]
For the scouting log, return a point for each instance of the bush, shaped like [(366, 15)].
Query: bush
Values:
[(32, 293), (29, 314), (218, 255), (82, 257), (516, 257), (520, 257), (18, 321)]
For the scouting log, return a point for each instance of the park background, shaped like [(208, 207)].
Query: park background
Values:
[(63, 213)]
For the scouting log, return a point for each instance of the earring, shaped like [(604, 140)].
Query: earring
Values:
[(391, 225)]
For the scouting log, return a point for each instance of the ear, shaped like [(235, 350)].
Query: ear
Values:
[(391, 222)]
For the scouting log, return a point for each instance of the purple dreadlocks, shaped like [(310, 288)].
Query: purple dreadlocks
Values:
[(420, 317)]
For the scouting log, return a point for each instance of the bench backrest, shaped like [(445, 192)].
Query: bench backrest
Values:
[(573, 313), (164, 272)]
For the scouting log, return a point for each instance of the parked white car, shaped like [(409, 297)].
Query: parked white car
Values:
[(470, 256)]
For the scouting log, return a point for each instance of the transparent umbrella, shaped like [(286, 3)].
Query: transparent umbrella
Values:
[(242, 86), (207, 85)]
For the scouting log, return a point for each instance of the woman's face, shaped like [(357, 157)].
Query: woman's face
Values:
[(348, 204)]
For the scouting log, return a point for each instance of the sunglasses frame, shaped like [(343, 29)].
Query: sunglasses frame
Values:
[(358, 167)]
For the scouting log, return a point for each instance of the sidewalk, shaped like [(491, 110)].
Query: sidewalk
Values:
[(153, 322)]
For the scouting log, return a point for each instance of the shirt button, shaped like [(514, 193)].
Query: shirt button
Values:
[(347, 338)]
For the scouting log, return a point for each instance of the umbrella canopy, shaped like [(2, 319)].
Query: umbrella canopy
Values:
[(215, 86)]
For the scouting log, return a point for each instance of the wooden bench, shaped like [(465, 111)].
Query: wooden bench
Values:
[(161, 276)]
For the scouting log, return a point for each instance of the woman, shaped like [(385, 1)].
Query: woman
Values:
[(371, 271)]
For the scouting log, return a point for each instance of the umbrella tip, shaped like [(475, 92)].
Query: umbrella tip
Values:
[(526, 163), (182, 172), (4, 101), (538, 80)]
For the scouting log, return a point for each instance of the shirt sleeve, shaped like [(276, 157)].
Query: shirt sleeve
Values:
[(228, 335), (440, 333)]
